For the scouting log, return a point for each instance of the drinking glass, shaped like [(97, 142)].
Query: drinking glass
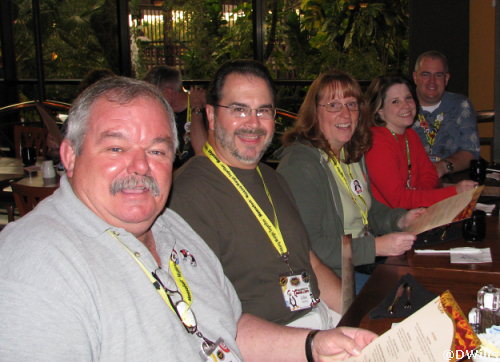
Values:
[(474, 229), (28, 155), (477, 170)]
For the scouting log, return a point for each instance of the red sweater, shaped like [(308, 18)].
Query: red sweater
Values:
[(388, 170)]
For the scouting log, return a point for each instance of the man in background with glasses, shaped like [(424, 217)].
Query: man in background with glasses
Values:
[(244, 211), (446, 122)]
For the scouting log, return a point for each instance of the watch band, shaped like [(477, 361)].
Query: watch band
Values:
[(449, 165), (197, 110)]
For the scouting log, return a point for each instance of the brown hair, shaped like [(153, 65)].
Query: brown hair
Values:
[(377, 92), (306, 129)]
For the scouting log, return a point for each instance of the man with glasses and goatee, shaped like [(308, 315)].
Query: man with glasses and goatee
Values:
[(246, 214)]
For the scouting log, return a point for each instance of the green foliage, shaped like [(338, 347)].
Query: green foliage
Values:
[(76, 36)]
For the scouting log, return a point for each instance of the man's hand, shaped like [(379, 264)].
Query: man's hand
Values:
[(340, 343)]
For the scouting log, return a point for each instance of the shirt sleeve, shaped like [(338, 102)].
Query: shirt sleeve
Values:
[(467, 124)]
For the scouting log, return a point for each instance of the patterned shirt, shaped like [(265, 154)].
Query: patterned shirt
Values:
[(450, 128)]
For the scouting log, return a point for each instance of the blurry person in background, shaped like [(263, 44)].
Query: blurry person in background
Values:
[(189, 109)]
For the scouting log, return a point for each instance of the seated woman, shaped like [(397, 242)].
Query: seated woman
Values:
[(323, 165), (401, 173)]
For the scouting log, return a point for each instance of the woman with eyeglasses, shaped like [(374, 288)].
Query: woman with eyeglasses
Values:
[(323, 164), (401, 173)]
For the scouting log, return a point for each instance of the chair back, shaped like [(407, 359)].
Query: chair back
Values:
[(27, 197), (348, 289), (26, 136)]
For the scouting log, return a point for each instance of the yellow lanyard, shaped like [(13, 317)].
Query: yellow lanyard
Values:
[(179, 279), (408, 159), (340, 172), (272, 230), (188, 110)]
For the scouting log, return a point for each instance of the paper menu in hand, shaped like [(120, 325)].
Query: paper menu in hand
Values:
[(454, 208), (435, 332)]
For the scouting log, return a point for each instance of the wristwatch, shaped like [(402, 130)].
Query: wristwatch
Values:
[(449, 165), (197, 110)]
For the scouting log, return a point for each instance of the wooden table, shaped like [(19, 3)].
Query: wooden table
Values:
[(491, 241), (10, 169), (462, 284)]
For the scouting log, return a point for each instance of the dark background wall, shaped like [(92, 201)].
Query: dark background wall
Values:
[(442, 25)]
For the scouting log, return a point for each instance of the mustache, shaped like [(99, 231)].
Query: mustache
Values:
[(252, 131), (132, 181)]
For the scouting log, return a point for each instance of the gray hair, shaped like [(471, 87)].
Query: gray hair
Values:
[(121, 90), (433, 54)]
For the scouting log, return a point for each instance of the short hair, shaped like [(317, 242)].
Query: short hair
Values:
[(307, 130), (377, 92), (121, 90), (433, 54), (239, 66), (163, 76)]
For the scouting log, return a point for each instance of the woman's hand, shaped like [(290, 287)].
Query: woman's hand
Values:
[(465, 185), (408, 218), (394, 244)]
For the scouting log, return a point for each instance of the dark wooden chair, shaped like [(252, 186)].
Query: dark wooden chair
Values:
[(35, 137), (348, 282), (27, 197)]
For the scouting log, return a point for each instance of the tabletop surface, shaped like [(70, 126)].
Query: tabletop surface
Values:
[(462, 284), (492, 241)]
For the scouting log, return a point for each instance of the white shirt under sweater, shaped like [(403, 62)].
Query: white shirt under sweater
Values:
[(70, 292)]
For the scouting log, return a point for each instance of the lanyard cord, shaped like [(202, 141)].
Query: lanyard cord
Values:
[(272, 230), (186, 316), (188, 113), (179, 280), (408, 157), (340, 172), (430, 132)]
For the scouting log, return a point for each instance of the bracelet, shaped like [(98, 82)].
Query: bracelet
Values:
[(309, 342)]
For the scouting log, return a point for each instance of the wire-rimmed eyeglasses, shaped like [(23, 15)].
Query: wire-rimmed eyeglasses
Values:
[(335, 107), (264, 113)]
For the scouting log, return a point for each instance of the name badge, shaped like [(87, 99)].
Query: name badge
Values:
[(356, 187), (296, 291), (218, 351)]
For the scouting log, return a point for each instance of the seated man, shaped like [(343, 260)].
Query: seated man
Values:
[(94, 274), (446, 122), (244, 210)]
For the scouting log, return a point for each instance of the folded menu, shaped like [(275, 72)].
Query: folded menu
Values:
[(452, 209), (438, 331)]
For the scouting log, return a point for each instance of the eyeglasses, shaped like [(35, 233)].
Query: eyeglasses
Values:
[(180, 307), (264, 113), (427, 75), (335, 107)]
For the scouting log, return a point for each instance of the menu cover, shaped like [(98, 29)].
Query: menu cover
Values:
[(452, 209), (438, 331)]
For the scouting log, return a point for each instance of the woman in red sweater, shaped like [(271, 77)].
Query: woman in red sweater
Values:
[(400, 171)]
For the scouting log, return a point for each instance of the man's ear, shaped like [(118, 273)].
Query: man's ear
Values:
[(446, 78), (210, 116), (68, 157)]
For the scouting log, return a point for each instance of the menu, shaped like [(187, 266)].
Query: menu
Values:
[(452, 209), (437, 332)]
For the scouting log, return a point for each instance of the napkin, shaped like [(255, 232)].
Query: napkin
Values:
[(419, 297)]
